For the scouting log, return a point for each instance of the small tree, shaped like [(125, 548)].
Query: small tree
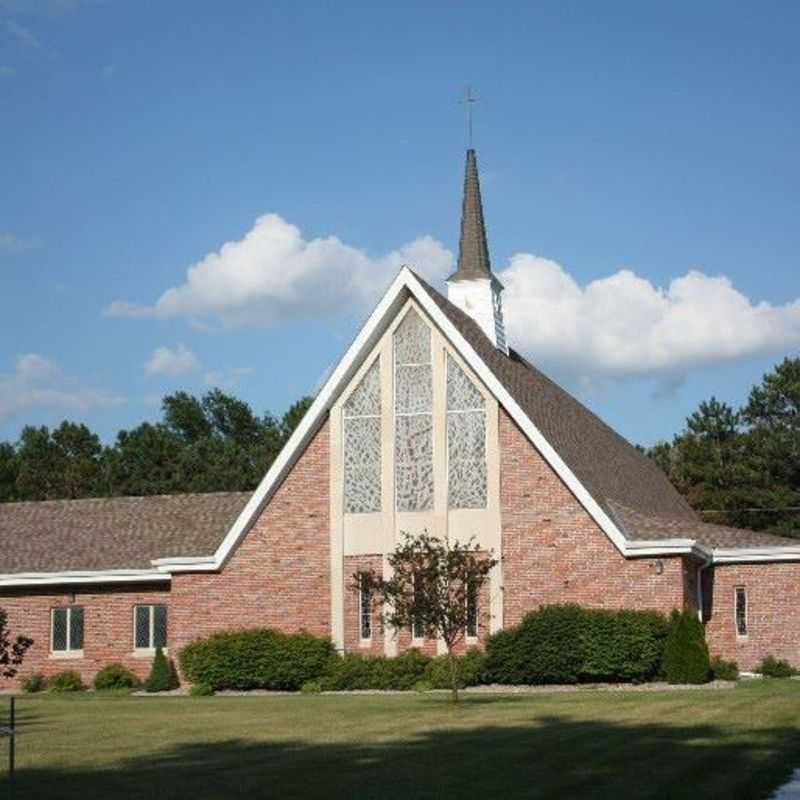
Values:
[(163, 676), (686, 658), (12, 651), (434, 588)]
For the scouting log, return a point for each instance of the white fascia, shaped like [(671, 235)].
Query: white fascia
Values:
[(739, 555), (83, 576)]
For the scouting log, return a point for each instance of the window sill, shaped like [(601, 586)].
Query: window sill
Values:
[(148, 652), (365, 642), (66, 655)]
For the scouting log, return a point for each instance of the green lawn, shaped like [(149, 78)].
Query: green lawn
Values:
[(736, 743)]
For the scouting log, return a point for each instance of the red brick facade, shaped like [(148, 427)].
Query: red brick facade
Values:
[(773, 612), (108, 626), (279, 576), (554, 552)]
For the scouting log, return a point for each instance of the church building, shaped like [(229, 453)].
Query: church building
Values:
[(430, 421)]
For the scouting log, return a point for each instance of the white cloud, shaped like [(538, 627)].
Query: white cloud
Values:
[(623, 325), (24, 36), (618, 326), (12, 243), (172, 362), (38, 382), (273, 273), (227, 378)]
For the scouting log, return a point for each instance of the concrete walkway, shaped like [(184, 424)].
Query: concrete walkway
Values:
[(791, 790)]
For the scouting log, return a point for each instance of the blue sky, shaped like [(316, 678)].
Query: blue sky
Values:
[(640, 174)]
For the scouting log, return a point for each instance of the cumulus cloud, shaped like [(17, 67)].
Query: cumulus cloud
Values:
[(12, 243), (619, 326), (172, 362), (274, 273), (623, 325), (38, 382)]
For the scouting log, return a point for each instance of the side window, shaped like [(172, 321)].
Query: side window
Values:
[(741, 611), (150, 627), (66, 630), (365, 610)]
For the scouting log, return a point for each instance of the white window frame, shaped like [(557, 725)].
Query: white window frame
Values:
[(743, 590), (149, 651), (364, 641), (68, 652)]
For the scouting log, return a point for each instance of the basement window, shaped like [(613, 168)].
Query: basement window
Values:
[(150, 627), (741, 611), (66, 631)]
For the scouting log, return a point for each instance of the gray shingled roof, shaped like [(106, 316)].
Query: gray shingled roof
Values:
[(608, 466), (637, 525), (113, 533)]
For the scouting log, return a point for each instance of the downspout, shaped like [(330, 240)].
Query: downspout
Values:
[(707, 561)]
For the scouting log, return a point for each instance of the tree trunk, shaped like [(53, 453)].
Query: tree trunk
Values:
[(451, 659)]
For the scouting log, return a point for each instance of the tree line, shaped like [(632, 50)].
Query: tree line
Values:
[(738, 466), (741, 466), (207, 444)]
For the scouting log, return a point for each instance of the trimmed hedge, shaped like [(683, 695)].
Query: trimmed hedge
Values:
[(67, 681), (353, 671), (686, 658), (163, 675), (771, 667), (115, 676), (260, 658), (470, 668), (570, 644)]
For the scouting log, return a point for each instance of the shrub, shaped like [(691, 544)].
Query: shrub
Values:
[(686, 652), (771, 667), (34, 683), (163, 677), (423, 686), (115, 676), (311, 687), (352, 671), (256, 659), (201, 690), (568, 644), (723, 670), (67, 681), (469, 668)]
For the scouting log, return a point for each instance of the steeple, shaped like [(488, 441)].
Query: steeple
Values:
[(473, 251), (473, 287)]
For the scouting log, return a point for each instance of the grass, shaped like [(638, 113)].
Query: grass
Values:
[(739, 743)]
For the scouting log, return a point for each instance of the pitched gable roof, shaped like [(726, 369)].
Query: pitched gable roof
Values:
[(606, 464), (116, 533)]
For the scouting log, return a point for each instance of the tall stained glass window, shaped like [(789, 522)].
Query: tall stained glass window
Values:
[(362, 445), (466, 440), (413, 406)]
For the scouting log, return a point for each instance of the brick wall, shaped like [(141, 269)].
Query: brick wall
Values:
[(554, 552), (108, 626), (352, 608), (773, 612), (279, 576)]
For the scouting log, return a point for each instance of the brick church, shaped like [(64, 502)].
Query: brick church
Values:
[(430, 421)]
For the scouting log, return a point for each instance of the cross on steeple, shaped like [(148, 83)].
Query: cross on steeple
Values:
[(468, 102)]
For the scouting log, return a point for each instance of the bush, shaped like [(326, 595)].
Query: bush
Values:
[(34, 683), (352, 671), (469, 668), (686, 652), (722, 670), (115, 676), (570, 644), (422, 686), (67, 681), (311, 687), (771, 667), (201, 690), (163, 677), (256, 659)]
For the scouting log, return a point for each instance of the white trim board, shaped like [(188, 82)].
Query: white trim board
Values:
[(83, 576)]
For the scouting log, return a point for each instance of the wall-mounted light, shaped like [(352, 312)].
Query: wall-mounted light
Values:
[(659, 566)]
